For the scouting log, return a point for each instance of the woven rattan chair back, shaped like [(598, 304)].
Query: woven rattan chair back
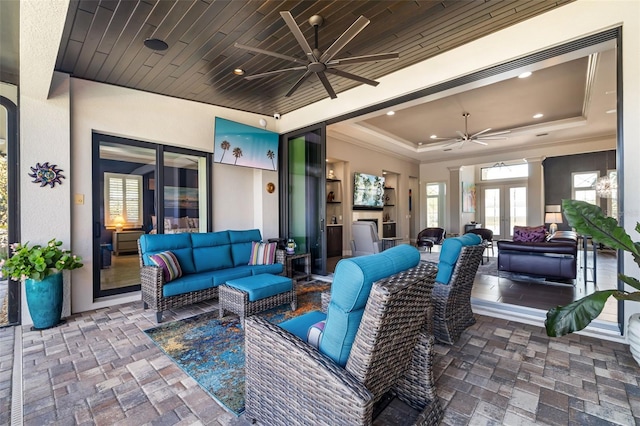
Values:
[(452, 302), (394, 315)]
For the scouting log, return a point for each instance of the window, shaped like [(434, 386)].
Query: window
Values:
[(583, 186), (435, 205), (123, 198), (504, 171)]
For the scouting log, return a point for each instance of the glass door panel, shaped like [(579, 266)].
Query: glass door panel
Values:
[(305, 218), (184, 193), (517, 207), (492, 210), (124, 212)]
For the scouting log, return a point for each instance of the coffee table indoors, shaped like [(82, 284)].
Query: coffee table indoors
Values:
[(250, 295)]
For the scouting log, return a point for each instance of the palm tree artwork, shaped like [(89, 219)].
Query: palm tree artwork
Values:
[(225, 145), (270, 155), (237, 152)]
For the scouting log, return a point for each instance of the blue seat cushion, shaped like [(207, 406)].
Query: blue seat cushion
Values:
[(300, 325), (178, 244), (449, 255), (275, 269), (221, 276), (350, 290), (261, 286), (211, 251), (188, 283)]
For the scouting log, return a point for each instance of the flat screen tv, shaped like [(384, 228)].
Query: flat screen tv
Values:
[(368, 192)]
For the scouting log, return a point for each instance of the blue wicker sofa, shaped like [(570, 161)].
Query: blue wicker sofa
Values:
[(205, 261)]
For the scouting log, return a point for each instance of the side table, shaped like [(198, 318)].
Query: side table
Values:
[(289, 261)]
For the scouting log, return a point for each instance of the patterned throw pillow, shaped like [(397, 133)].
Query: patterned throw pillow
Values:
[(262, 253), (529, 234), (169, 264)]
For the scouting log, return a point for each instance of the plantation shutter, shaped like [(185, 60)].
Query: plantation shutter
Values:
[(124, 198)]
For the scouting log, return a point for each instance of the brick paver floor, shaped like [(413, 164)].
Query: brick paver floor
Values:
[(100, 368)]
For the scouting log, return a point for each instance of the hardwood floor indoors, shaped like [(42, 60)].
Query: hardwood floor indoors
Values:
[(539, 294)]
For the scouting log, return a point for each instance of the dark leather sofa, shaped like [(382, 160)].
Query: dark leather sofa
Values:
[(554, 258)]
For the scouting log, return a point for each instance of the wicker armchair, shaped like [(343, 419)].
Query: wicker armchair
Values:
[(452, 302), (289, 381)]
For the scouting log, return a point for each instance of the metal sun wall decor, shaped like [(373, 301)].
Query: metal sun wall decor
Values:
[(46, 174)]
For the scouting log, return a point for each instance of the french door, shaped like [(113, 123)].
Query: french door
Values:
[(502, 207), (142, 188)]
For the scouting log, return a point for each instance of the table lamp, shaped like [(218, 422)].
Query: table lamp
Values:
[(553, 219), (119, 222)]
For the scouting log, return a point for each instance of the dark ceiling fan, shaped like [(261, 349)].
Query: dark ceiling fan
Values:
[(479, 137), (318, 62)]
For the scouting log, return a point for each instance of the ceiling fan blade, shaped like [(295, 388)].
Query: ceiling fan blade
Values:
[(504, 132), (345, 38), (364, 58), (352, 77), (479, 142), (274, 54), (298, 83), (327, 86), (480, 132), (275, 72), (454, 141), (462, 135), (492, 138), (295, 30)]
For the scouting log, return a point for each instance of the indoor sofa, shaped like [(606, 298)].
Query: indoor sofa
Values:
[(554, 256), (185, 268)]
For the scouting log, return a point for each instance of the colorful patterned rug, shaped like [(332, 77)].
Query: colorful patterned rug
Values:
[(211, 350)]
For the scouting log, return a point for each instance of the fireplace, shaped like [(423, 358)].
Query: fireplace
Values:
[(374, 220), (368, 216)]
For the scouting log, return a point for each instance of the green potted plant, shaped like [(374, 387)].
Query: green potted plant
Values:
[(588, 219), (41, 269)]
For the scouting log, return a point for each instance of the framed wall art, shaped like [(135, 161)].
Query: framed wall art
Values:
[(468, 197)]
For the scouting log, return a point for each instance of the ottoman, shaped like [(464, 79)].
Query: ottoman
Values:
[(250, 295)]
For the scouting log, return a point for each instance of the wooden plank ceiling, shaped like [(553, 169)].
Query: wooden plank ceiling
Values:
[(103, 41)]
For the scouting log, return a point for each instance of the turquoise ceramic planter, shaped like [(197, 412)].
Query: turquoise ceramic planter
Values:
[(44, 299)]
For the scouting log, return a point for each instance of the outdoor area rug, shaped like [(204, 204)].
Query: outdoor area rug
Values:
[(211, 350)]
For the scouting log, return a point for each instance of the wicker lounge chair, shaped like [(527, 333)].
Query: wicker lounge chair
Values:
[(290, 382), (452, 302)]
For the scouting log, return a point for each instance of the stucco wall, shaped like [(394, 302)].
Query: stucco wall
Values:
[(163, 120)]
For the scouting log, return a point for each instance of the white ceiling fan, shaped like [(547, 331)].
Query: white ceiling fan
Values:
[(479, 137), (318, 62)]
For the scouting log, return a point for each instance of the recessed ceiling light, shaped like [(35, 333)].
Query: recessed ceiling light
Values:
[(433, 136), (538, 115), (156, 44), (238, 71), (611, 111), (525, 74), (391, 112), (419, 143)]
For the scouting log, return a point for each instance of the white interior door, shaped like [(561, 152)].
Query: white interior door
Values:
[(502, 208)]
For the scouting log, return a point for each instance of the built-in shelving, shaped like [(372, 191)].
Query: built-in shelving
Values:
[(389, 213), (334, 209)]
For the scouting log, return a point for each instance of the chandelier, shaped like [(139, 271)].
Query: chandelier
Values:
[(607, 186)]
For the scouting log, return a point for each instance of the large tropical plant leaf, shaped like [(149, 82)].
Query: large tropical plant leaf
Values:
[(588, 219), (576, 315), (633, 282)]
